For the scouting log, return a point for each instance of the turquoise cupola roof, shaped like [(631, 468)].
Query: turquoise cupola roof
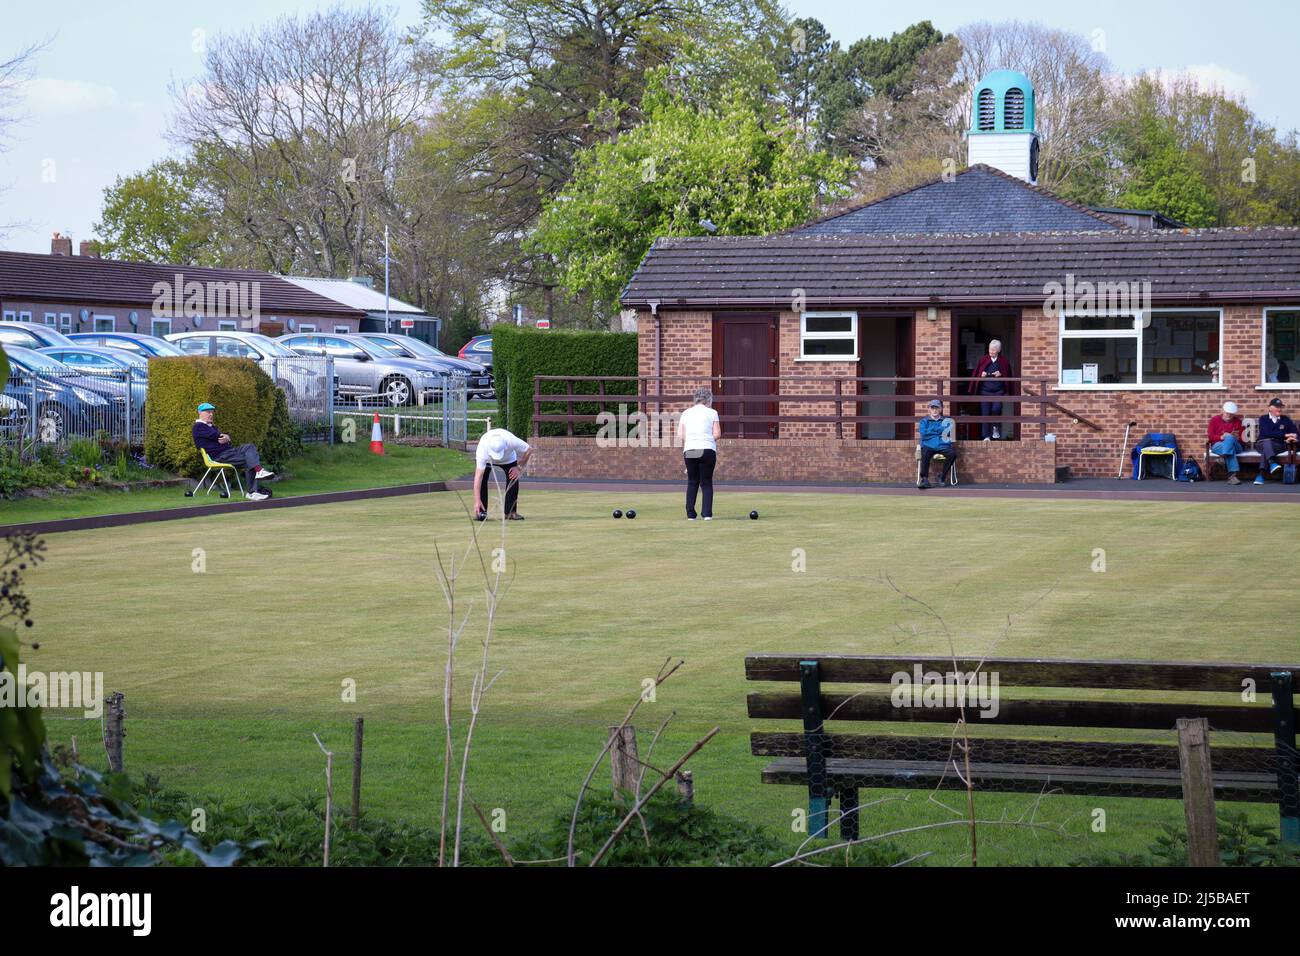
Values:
[(1004, 103)]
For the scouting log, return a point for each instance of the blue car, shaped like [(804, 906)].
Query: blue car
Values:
[(30, 335), (111, 364), (64, 401), (148, 346)]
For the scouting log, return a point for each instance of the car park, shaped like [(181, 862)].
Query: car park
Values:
[(365, 370), (13, 418), (108, 363), (478, 349), (30, 335), (295, 379), (148, 346), (478, 381), (64, 401)]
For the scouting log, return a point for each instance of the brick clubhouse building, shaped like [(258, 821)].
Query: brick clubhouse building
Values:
[(1107, 316)]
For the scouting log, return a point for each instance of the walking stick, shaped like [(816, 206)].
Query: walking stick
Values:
[(1122, 449)]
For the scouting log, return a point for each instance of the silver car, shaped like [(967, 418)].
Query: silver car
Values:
[(364, 370), (109, 363), (295, 380)]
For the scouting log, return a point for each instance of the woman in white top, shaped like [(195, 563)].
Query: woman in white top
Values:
[(698, 429)]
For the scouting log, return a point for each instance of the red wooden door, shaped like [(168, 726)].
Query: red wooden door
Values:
[(746, 346)]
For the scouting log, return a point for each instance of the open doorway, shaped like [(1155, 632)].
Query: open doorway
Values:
[(886, 346), (971, 335)]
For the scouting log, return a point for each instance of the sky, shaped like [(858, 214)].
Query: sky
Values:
[(99, 99)]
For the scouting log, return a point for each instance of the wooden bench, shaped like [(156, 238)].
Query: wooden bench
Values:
[(837, 764), (1248, 457)]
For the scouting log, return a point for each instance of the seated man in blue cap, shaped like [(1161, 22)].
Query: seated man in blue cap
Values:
[(217, 444), (936, 439)]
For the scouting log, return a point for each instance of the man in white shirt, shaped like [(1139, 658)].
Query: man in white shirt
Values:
[(698, 429), (501, 449)]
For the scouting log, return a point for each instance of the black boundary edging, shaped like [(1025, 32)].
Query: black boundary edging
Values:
[(178, 514)]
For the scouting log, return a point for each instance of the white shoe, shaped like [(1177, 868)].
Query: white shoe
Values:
[(987, 439), (710, 518), (263, 474), (996, 435), (257, 496)]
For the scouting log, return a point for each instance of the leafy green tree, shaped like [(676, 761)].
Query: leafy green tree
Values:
[(733, 166), (155, 216), (1163, 178)]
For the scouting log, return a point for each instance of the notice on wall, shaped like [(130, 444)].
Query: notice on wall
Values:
[(1089, 373), (1071, 376)]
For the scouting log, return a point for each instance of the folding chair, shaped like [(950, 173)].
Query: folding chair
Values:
[(217, 469), (937, 459), (1157, 451)]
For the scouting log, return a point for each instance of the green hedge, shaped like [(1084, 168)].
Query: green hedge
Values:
[(520, 353), (249, 409)]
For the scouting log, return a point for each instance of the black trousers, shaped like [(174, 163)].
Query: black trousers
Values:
[(950, 458), (512, 487), (1269, 448), (989, 408), (699, 475), (242, 456)]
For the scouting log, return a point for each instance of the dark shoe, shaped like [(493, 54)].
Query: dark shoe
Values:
[(515, 517), (482, 517), (923, 484)]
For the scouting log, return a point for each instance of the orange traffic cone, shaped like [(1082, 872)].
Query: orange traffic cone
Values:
[(376, 437)]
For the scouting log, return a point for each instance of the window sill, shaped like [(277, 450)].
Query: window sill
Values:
[(1161, 387), (1275, 386), (827, 358)]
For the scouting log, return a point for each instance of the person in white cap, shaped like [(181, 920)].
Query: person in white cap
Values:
[(1225, 439), (499, 448)]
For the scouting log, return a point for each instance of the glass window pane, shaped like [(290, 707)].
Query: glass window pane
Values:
[(1180, 348), (828, 323), (1098, 323), (1281, 353), (828, 347), (1115, 359)]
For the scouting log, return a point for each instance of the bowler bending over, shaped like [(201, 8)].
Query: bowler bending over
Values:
[(501, 449), (219, 448)]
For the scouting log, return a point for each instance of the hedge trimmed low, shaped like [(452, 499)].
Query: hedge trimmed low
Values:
[(249, 409), (518, 354)]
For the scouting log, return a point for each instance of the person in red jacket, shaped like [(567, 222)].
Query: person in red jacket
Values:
[(1225, 439), (992, 373)]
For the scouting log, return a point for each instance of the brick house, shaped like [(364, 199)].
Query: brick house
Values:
[(85, 293), (1107, 316)]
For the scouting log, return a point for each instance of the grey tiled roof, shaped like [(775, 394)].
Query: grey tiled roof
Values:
[(1185, 265), (978, 199)]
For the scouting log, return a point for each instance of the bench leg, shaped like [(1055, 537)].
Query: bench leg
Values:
[(848, 813)]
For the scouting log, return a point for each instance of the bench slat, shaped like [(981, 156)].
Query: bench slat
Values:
[(999, 778), (1043, 713), (1001, 750), (1027, 672)]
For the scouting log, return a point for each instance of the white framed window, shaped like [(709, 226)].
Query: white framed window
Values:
[(306, 328), (161, 327), (65, 321), (828, 336), (1279, 356), (9, 315), (1147, 349), (105, 323), (342, 330), (24, 316), (227, 325), (51, 318)]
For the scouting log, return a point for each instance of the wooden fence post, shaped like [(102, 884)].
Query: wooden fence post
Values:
[(1288, 762), (623, 765), (1198, 791), (114, 730), (358, 728)]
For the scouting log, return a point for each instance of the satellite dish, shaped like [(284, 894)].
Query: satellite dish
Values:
[(134, 319), (293, 325)]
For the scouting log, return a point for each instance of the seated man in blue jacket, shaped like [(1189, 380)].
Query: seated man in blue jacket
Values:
[(936, 438), (1276, 431), (217, 444)]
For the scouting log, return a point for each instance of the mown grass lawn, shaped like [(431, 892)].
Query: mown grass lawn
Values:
[(228, 672), (319, 469)]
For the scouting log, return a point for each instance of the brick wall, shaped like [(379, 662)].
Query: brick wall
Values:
[(794, 460), (788, 363)]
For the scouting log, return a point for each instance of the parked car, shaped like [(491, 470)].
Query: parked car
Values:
[(30, 335), (295, 379), (13, 418), (364, 369), (108, 363), (149, 346), (478, 379), (478, 349), (65, 401)]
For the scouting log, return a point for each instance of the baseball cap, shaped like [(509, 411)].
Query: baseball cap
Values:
[(1276, 403), (207, 407), (1230, 407), (935, 403)]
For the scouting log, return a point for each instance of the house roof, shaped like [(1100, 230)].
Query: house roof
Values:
[(353, 294), (769, 271), (40, 277), (978, 199)]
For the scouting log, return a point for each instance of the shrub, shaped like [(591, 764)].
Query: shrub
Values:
[(248, 404), (519, 354)]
